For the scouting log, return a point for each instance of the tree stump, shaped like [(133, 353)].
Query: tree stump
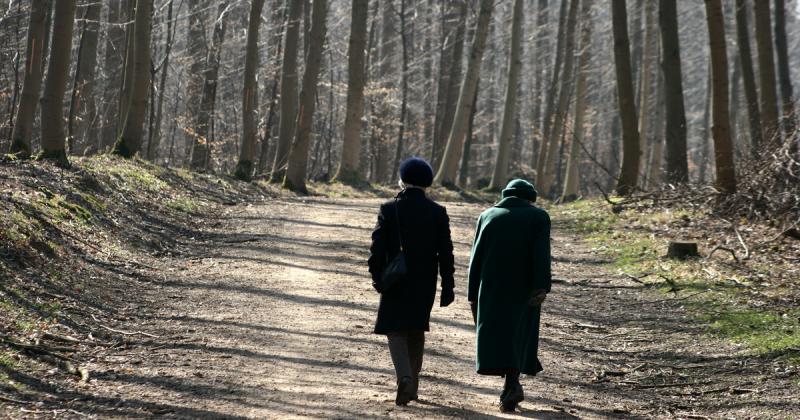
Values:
[(682, 250)]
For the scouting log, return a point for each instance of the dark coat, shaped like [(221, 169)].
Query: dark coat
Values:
[(426, 240), (510, 259)]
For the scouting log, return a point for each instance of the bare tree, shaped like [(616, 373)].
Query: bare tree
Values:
[(288, 116), (53, 134), (500, 172), (723, 146), (784, 73), (244, 168), (572, 179), (446, 174), (629, 174), (356, 53), (82, 105), (130, 140), (29, 99), (748, 75), (766, 69), (298, 161)]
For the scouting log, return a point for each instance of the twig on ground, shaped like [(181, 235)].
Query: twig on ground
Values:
[(741, 241), (123, 332), (722, 248), (666, 300)]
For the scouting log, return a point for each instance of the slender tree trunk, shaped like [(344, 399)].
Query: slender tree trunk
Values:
[(288, 117), (547, 177), (82, 104), (385, 119), (500, 172), (723, 146), (277, 29), (348, 171), (113, 68), (197, 50), (155, 135), (298, 161), (201, 152), (646, 81), (766, 69), (53, 133), (466, 158), (244, 168), (572, 179), (748, 77), (784, 73), (629, 173), (655, 169), (541, 160), (705, 134), (677, 170), (29, 98), (130, 141), (446, 175), (449, 83), (404, 86), (540, 75)]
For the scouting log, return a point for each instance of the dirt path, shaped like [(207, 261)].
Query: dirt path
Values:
[(272, 317)]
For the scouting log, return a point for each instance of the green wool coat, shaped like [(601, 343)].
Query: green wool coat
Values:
[(510, 259)]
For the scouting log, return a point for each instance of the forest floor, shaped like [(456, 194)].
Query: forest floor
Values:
[(264, 309)]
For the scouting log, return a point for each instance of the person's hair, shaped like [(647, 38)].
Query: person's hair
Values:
[(403, 185)]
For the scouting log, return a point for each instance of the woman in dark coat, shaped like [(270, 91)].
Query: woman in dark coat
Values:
[(405, 310), (509, 277)]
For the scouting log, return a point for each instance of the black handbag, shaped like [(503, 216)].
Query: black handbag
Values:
[(397, 270)]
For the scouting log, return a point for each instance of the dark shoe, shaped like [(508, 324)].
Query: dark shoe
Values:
[(404, 390), (510, 398)]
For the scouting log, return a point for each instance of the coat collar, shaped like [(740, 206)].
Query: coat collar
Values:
[(411, 192), (513, 202)]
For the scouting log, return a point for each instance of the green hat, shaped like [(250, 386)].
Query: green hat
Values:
[(520, 188)]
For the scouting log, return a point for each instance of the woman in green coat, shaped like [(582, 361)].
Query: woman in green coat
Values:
[(509, 277)]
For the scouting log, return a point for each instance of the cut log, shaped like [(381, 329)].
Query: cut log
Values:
[(682, 250)]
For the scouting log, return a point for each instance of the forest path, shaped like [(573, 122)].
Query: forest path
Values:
[(273, 315)]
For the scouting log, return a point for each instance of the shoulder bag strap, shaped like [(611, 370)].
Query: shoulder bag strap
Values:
[(397, 216)]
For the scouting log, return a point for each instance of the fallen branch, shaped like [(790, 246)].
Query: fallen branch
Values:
[(741, 241), (722, 248)]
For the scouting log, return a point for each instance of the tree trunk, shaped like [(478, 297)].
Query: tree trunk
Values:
[(629, 173), (130, 141), (677, 170), (53, 134), (500, 172), (466, 157), (384, 120), (552, 157), (540, 75), (449, 82), (29, 98), (113, 67), (552, 92), (351, 143), (572, 179), (446, 175), (723, 146), (646, 82), (197, 50), (298, 161), (748, 77), (201, 152), (155, 135), (705, 134), (784, 73), (288, 100), (244, 168), (766, 70), (404, 86), (654, 167), (82, 105)]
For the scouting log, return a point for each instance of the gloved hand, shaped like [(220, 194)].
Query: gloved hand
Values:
[(473, 306), (447, 297), (376, 286)]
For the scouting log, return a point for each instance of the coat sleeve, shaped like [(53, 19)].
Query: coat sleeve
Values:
[(377, 251), (541, 253), (475, 260), (445, 251)]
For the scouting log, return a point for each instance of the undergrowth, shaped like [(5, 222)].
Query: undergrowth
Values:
[(751, 301)]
